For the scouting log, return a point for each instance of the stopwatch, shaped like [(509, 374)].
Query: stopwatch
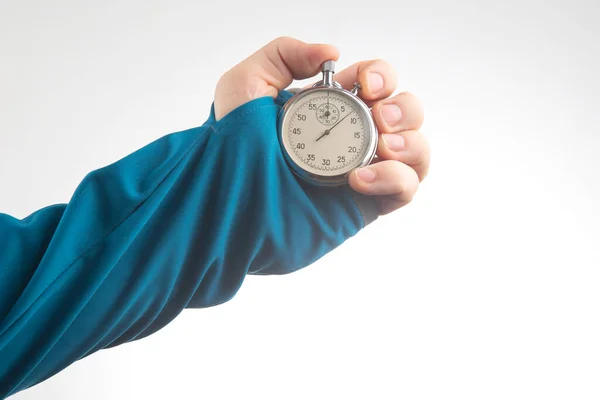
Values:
[(326, 131)]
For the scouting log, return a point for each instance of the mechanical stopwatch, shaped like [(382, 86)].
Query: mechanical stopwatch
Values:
[(326, 131)]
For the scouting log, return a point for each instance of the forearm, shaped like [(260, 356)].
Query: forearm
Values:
[(177, 224), (102, 269)]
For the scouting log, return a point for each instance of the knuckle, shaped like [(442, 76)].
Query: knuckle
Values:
[(378, 63), (280, 39), (422, 159), (408, 95), (426, 153), (413, 106), (406, 182), (422, 149), (283, 41), (369, 65), (223, 80)]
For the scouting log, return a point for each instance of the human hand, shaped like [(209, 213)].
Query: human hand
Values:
[(403, 154)]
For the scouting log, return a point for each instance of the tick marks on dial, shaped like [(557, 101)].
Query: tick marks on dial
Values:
[(317, 141), (328, 114)]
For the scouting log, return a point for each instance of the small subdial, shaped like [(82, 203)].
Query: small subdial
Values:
[(328, 114)]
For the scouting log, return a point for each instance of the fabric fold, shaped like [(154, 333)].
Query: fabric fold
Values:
[(178, 224)]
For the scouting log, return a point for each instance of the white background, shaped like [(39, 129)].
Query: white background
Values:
[(486, 287)]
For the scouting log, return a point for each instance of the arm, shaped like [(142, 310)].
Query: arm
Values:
[(177, 224), (182, 221)]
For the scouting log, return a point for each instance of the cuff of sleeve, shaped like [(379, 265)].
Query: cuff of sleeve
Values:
[(247, 108), (367, 207)]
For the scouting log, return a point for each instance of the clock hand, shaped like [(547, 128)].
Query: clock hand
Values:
[(328, 131), (324, 134), (345, 116)]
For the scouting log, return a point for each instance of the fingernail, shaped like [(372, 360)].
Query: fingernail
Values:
[(375, 82), (391, 114), (393, 141), (366, 174)]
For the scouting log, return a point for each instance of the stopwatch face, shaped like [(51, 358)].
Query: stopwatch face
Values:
[(326, 133)]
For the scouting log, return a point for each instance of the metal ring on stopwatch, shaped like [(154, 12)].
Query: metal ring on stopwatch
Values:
[(328, 83)]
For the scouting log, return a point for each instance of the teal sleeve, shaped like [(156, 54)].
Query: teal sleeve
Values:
[(177, 224)]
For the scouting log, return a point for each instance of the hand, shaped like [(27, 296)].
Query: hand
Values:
[(403, 152)]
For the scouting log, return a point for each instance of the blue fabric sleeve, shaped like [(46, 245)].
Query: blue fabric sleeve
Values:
[(177, 224)]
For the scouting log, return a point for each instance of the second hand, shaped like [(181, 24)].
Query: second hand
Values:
[(328, 131), (345, 116)]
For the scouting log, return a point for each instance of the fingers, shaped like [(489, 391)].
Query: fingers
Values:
[(398, 120), (285, 59), (408, 147), (393, 184), (270, 70), (401, 112), (377, 79)]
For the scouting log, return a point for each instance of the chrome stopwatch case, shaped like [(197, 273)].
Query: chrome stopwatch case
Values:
[(326, 131)]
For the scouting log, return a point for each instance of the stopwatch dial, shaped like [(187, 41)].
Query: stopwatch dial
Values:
[(327, 132)]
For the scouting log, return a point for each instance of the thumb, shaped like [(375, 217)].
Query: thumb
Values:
[(268, 71)]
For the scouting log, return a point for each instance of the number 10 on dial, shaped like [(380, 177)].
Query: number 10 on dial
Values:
[(326, 132)]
